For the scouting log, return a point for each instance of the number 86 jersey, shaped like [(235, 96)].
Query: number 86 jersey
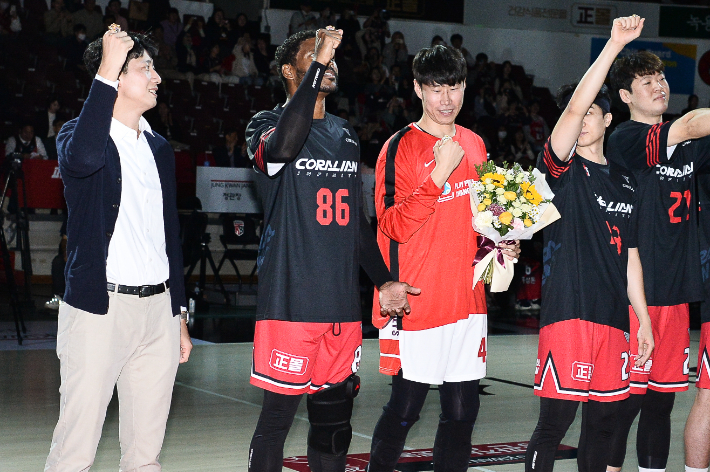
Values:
[(308, 259), (667, 205)]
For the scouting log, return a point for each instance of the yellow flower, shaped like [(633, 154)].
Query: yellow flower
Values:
[(510, 195), (496, 179), (527, 222), (481, 206), (487, 201), (530, 193), (506, 217)]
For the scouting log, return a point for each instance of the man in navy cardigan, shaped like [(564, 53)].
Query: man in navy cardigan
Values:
[(119, 323)]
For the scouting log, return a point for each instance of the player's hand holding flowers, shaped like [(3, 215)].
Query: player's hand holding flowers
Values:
[(507, 204)]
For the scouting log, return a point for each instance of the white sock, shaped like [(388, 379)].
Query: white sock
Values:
[(693, 469), (641, 469)]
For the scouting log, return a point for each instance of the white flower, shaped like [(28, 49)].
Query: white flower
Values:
[(484, 219), (526, 207), (496, 222), (500, 191), (490, 187), (487, 181), (517, 212), (510, 175), (501, 199), (522, 199), (477, 186), (534, 214), (519, 178), (516, 204)]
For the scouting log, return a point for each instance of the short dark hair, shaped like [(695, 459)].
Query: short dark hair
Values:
[(442, 65), (481, 56), (627, 68), (287, 52), (141, 43), (602, 100), (455, 37), (79, 27)]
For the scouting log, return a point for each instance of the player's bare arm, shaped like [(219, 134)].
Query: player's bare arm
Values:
[(693, 125), (568, 127), (637, 297)]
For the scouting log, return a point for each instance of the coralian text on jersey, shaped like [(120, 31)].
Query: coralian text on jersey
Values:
[(673, 173), (326, 165)]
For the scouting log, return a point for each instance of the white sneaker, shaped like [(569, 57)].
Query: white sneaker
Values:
[(53, 303)]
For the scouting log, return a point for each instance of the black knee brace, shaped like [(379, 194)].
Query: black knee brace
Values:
[(329, 412)]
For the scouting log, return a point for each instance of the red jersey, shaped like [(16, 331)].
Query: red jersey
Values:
[(425, 232)]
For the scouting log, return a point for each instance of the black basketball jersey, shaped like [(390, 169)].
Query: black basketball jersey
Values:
[(668, 228), (586, 251), (308, 256), (703, 184)]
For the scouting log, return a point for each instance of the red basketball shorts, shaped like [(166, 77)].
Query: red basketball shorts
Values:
[(667, 369), (579, 360), (294, 358), (703, 378)]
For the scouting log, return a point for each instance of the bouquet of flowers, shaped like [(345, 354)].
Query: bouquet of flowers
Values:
[(507, 204)]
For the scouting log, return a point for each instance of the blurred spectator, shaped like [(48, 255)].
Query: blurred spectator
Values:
[(536, 129), (500, 149), (516, 116), (114, 8), (167, 63), (164, 125), (521, 150), (186, 57), (395, 52), (231, 154), (456, 43), (484, 138), (172, 27), (303, 19), (394, 115), (692, 104), (262, 57), (219, 31), (243, 69), (241, 27), (326, 18), (195, 27), (505, 76), (378, 26), (26, 143), (484, 104), (76, 47), (51, 143), (58, 22), (350, 25), (10, 23), (438, 41), (91, 18), (374, 60), (109, 20), (482, 75), (211, 68), (44, 119)]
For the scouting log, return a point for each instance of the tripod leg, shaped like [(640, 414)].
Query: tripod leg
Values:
[(217, 278), (23, 241), (204, 249), (12, 287)]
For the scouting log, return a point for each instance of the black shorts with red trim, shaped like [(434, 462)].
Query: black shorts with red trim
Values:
[(294, 358), (703, 377), (667, 369), (580, 360)]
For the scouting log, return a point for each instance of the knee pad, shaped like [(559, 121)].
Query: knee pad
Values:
[(329, 412)]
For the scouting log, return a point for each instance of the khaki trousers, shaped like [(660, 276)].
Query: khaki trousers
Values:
[(136, 347)]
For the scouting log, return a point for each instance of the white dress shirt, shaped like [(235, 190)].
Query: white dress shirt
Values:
[(136, 253)]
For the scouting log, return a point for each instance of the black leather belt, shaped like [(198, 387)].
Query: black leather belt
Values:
[(142, 291)]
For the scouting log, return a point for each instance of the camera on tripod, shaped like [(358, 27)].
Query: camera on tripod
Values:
[(13, 161)]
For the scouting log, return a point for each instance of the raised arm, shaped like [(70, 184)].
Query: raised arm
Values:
[(295, 122), (81, 143), (693, 125), (568, 127)]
